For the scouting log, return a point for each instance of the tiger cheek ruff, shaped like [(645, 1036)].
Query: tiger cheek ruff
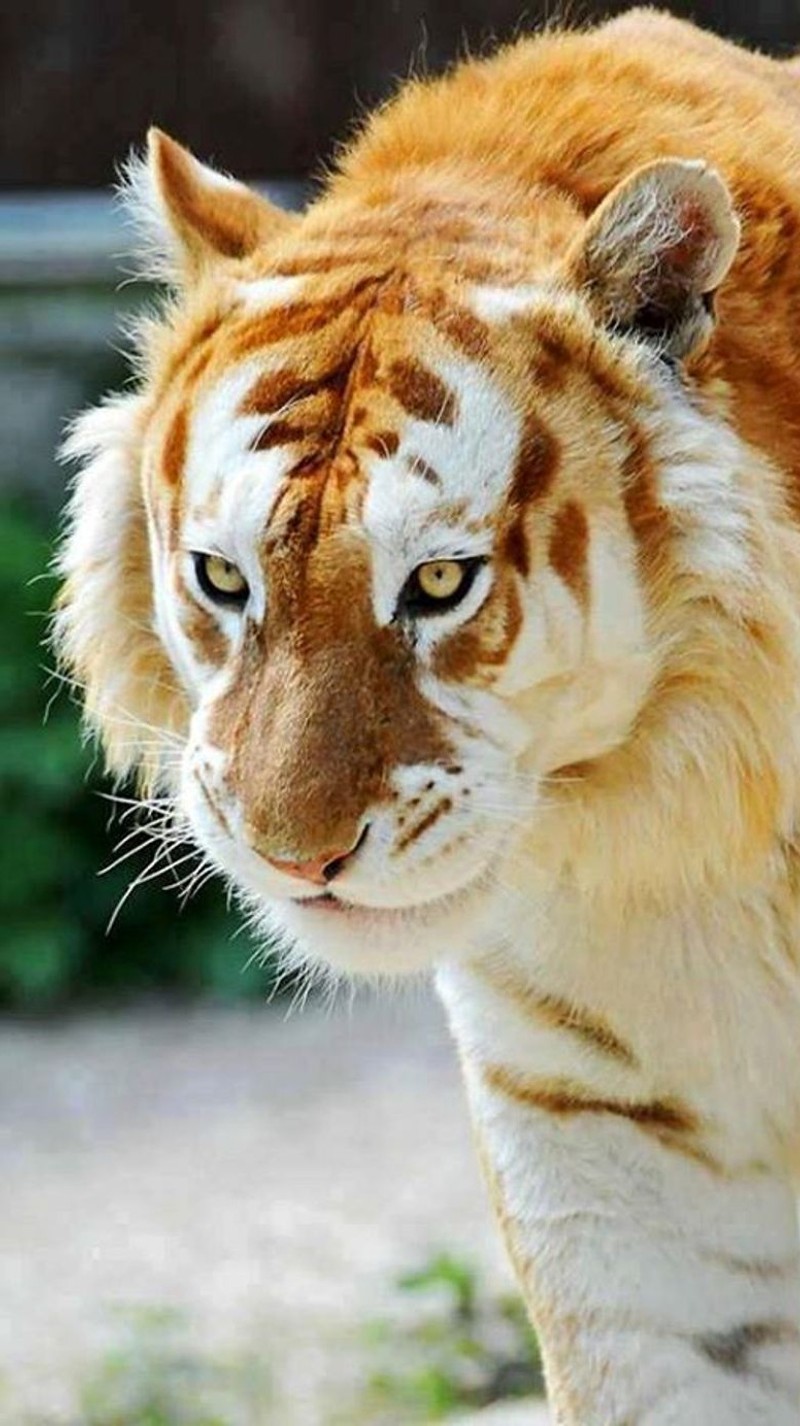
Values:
[(443, 569)]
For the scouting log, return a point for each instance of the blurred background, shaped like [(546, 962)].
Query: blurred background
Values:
[(181, 1138)]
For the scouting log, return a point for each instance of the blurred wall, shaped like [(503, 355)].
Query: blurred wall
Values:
[(262, 86)]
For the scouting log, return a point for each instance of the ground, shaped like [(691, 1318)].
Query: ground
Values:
[(257, 1184)]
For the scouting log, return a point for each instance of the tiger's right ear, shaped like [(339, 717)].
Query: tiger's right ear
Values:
[(654, 252), (191, 217)]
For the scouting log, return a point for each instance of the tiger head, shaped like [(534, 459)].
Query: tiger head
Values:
[(388, 570)]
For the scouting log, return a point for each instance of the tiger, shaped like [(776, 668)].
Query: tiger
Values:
[(441, 570)]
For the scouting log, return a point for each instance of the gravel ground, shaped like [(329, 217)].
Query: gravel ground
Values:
[(266, 1178), (522, 1414)]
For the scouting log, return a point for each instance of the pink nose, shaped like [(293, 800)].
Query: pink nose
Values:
[(320, 870)]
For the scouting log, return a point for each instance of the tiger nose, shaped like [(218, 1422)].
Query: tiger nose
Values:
[(319, 870)]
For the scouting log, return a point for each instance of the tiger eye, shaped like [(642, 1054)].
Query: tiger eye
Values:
[(441, 579), (220, 580)]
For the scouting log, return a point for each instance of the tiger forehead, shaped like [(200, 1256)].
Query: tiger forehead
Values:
[(355, 401), (337, 368), (359, 369), (307, 337), (413, 412)]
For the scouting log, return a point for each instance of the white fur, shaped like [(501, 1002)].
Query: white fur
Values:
[(474, 458), (104, 509), (229, 492), (264, 293), (637, 1250), (496, 304)]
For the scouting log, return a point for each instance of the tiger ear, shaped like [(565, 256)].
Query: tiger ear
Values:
[(191, 216), (655, 251)]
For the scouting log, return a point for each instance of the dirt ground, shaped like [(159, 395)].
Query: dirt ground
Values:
[(266, 1178)]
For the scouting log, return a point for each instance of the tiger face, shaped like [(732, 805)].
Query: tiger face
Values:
[(365, 572)]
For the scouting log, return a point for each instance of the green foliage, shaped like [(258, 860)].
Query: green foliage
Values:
[(155, 1375), (155, 1378), (457, 1277), (56, 837), (464, 1349)]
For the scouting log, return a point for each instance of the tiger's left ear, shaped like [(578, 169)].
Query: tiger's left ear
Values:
[(655, 251), (191, 216)]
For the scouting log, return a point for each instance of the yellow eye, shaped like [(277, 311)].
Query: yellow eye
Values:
[(441, 579), (438, 585), (220, 580)]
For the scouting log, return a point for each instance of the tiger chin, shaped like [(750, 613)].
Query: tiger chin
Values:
[(443, 571)]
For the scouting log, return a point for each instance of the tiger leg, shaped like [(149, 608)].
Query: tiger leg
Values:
[(664, 1286)]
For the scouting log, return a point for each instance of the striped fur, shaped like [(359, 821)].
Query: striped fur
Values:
[(538, 335)]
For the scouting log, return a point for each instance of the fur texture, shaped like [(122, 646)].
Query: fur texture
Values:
[(537, 340)]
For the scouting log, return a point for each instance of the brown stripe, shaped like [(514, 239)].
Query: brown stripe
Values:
[(174, 453), (484, 272), (383, 443), (199, 364), (195, 354), (274, 390), (460, 327), (424, 825), (296, 519), (366, 373), (667, 1120), (552, 363), (556, 1011), (316, 414), (201, 338), (282, 433), (515, 546), (647, 518), (763, 1269), (561, 1096), (482, 645), (308, 263), (298, 319), (733, 1349), (420, 467), (421, 393), (569, 547), (534, 473), (536, 465)]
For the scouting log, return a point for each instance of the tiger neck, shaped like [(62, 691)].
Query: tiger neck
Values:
[(646, 1006)]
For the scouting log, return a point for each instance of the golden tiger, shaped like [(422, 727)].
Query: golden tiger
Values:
[(443, 569)]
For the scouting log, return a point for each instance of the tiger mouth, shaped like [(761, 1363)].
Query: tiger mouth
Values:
[(331, 905), (328, 903)]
